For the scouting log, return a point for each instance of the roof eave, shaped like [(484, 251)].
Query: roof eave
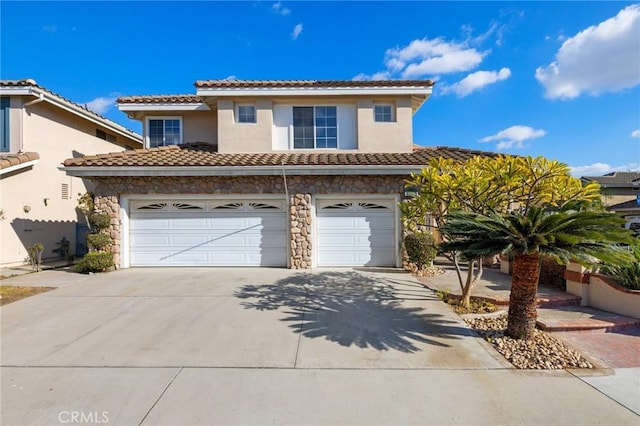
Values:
[(16, 167), (106, 171), (312, 91), (163, 106)]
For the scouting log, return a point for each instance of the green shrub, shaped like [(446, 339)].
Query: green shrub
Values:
[(100, 221), (95, 262), (420, 248), (98, 241), (626, 274)]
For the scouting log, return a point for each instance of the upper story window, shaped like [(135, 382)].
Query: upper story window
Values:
[(383, 113), (5, 141), (315, 127), (246, 113), (164, 131)]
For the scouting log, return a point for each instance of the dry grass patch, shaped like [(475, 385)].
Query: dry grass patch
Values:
[(10, 293), (476, 306)]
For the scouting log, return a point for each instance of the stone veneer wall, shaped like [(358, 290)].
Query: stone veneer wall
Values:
[(300, 188)]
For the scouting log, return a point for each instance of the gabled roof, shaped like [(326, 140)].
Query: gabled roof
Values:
[(29, 87), (615, 179), (252, 84), (12, 162), (202, 159)]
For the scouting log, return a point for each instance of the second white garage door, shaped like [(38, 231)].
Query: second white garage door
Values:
[(356, 233), (208, 233)]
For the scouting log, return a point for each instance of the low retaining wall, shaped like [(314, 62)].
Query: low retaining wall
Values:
[(601, 292)]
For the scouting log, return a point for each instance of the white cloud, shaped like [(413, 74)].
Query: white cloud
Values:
[(231, 77), (635, 134), (598, 169), (601, 58), (476, 81), (50, 28), (428, 57), (278, 8), (297, 30), (514, 136), (102, 104), (382, 75)]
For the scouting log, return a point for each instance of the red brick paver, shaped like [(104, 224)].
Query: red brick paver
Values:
[(618, 349)]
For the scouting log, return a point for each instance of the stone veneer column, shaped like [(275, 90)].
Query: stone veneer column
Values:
[(301, 220), (110, 205)]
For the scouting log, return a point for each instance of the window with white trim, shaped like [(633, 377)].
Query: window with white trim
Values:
[(246, 114), (383, 113), (315, 127), (164, 131)]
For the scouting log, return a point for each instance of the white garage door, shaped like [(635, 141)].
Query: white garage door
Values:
[(356, 233), (208, 233)]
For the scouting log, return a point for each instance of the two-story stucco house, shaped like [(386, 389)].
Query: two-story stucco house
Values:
[(292, 174), (39, 129)]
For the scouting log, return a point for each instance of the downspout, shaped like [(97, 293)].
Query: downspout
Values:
[(39, 99)]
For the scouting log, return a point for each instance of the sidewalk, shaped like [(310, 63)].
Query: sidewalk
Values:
[(609, 340)]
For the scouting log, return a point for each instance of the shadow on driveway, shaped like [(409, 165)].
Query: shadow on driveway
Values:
[(350, 308)]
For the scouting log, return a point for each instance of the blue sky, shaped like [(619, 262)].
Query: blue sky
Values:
[(559, 79)]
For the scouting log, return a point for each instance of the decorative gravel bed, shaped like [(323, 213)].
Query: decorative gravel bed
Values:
[(542, 352)]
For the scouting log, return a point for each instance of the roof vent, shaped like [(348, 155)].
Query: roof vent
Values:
[(30, 81)]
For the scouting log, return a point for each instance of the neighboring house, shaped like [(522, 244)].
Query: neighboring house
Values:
[(616, 187), (621, 194), (38, 131), (292, 174)]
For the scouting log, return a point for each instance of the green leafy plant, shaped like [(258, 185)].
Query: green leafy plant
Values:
[(420, 248), (98, 242), (95, 262), (35, 255), (99, 221), (627, 274)]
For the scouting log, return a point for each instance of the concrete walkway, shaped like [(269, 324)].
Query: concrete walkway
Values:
[(267, 346)]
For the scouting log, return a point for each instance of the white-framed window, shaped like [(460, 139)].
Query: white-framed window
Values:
[(246, 114), (383, 113), (315, 127), (164, 131)]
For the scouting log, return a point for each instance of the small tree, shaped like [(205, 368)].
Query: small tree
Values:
[(486, 185), (35, 255)]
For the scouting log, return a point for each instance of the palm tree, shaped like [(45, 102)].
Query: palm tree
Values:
[(562, 235)]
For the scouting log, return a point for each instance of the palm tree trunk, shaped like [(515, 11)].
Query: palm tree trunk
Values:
[(522, 300)]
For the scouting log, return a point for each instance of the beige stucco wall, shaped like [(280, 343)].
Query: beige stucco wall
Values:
[(371, 136), (245, 137), (396, 136), (56, 135)]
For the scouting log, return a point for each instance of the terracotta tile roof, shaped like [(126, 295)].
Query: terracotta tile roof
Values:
[(230, 84), (160, 99), (9, 160), (614, 179), (200, 154), (28, 82)]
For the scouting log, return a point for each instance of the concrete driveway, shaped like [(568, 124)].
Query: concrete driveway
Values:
[(256, 346)]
